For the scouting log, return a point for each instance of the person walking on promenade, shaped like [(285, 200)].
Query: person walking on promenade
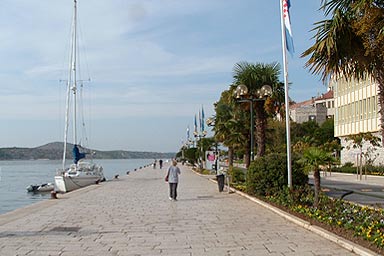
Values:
[(173, 179), (154, 164), (161, 163)]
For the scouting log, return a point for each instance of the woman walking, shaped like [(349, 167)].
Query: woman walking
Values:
[(173, 178)]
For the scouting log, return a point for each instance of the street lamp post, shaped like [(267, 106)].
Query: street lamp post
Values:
[(242, 95)]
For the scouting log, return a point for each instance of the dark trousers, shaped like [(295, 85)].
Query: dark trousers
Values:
[(220, 182), (173, 190)]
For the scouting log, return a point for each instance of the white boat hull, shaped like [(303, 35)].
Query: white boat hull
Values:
[(78, 176), (65, 184)]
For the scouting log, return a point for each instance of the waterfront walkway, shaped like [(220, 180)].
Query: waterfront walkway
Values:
[(133, 216)]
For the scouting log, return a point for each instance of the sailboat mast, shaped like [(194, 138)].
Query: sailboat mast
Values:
[(74, 77), (71, 85)]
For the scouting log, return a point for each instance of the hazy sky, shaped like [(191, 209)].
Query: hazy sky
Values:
[(153, 65)]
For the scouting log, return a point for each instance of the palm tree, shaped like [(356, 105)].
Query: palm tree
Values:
[(313, 158), (276, 103), (228, 130), (350, 43), (254, 76)]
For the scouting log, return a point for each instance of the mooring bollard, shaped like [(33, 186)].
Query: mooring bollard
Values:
[(53, 195)]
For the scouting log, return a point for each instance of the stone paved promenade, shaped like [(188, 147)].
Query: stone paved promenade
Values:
[(133, 216)]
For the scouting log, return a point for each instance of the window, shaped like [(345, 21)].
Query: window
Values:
[(361, 109), (350, 113)]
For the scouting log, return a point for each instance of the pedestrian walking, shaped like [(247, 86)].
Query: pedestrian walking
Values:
[(161, 163), (220, 176), (154, 164), (172, 178)]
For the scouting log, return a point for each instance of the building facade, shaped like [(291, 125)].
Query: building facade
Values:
[(356, 111), (327, 100), (316, 109)]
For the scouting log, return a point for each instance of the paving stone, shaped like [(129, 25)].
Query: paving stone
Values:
[(133, 216)]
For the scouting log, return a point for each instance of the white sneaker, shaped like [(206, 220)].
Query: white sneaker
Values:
[(170, 198)]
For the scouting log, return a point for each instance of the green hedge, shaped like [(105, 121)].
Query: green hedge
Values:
[(238, 174), (368, 169), (268, 175)]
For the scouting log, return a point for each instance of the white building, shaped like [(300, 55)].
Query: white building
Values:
[(327, 100), (307, 111), (356, 111), (316, 109)]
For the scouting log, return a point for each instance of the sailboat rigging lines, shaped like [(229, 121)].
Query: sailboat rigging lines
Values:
[(81, 173)]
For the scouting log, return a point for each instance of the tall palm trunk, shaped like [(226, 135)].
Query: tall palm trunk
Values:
[(316, 178), (261, 123), (247, 155), (230, 156)]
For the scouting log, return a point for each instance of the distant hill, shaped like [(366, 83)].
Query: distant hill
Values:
[(54, 151)]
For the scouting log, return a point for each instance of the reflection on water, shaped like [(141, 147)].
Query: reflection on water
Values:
[(15, 176)]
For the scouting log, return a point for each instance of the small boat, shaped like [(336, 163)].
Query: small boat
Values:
[(45, 187), (80, 173)]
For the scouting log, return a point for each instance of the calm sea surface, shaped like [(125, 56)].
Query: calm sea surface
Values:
[(15, 176)]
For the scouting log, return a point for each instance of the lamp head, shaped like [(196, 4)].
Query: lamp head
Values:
[(210, 121), (266, 90), (241, 90)]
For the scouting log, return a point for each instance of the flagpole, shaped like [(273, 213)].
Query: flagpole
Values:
[(285, 67)]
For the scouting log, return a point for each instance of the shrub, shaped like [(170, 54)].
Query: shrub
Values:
[(368, 169), (191, 155), (346, 168), (240, 187), (298, 195), (374, 170), (204, 171), (268, 175), (238, 175)]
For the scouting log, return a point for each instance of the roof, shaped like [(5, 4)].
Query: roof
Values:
[(326, 96), (302, 104)]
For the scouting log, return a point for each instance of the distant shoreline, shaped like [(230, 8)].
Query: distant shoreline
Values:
[(152, 159), (54, 151)]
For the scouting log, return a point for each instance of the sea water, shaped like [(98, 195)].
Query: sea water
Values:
[(15, 176)]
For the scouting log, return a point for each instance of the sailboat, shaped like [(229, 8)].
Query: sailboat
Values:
[(80, 173)]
